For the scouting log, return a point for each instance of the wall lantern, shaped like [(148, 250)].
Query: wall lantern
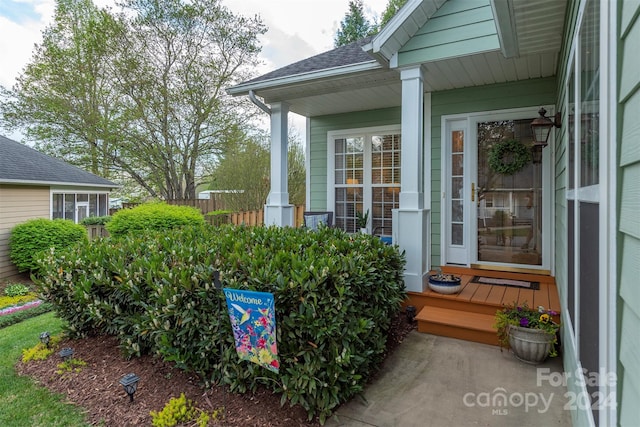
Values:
[(541, 127), (130, 384), (45, 338)]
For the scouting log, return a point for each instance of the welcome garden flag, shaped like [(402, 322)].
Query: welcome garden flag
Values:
[(253, 321)]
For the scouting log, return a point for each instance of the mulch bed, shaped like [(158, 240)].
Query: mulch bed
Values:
[(97, 390)]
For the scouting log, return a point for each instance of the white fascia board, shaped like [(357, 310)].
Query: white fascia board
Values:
[(376, 45), (244, 88), (503, 16), (68, 184)]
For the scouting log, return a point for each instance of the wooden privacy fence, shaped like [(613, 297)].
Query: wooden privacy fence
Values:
[(95, 231), (252, 218), (214, 203)]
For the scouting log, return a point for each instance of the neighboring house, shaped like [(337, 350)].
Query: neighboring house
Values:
[(406, 125), (34, 185)]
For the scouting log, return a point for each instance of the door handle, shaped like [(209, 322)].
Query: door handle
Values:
[(473, 191)]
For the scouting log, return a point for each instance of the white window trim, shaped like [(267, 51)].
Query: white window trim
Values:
[(367, 133), (77, 191)]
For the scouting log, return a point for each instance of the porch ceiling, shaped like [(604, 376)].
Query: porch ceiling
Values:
[(381, 88)]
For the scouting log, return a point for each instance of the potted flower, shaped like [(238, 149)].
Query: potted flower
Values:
[(531, 333), (443, 283), (362, 220)]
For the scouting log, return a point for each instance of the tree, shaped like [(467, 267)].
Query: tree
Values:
[(390, 11), (64, 99), (161, 113), (244, 172), (354, 25)]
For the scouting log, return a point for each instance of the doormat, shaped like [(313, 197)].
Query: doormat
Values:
[(506, 282)]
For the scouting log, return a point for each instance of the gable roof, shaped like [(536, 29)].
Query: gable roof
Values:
[(399, 30), (350, 57), (20, 164), (348, 54)]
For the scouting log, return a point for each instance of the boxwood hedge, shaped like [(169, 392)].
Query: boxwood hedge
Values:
[(335, 297), (153, 216), (30, 238)]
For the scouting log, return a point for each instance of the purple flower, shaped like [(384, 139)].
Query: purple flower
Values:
[(519, 308), (553, 313), (524, 322)]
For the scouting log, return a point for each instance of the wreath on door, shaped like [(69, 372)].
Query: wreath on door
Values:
[(508, 157)]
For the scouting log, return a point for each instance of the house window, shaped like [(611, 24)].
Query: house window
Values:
[(366, 172), (76, 206), (583, 194)]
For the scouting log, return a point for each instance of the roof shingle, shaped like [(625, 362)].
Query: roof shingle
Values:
[(24, 165), (349, 54)]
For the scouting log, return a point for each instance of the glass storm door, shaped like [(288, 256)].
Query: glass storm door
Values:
[(508, 208)]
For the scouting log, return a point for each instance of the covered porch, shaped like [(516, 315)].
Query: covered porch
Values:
[(417, 70)]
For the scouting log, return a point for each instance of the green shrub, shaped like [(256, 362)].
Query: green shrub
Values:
[(335, 297), (96, 220), (153, 216), (29, 239), (16, 290), (40, 351), (180, 410)]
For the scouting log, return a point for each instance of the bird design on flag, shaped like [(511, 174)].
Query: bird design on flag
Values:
[(245, 313)]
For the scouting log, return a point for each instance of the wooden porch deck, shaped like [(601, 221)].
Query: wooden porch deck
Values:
[(469, 314)]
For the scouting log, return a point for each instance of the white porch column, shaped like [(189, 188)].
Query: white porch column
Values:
[(411, 220), (278, 211)]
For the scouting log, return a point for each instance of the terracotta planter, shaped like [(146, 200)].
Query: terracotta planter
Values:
[(449, 285), (530, 345)]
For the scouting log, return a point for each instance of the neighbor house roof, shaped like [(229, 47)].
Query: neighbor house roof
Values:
[(20, 164)]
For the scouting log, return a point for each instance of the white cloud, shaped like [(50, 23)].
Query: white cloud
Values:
[(19, 34)]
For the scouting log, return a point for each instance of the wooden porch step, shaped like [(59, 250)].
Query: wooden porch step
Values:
[(469, 326)]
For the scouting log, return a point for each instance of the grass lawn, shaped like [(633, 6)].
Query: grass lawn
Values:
[(22, 402)]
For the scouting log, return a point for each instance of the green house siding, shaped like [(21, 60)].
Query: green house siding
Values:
[(629, 178), (319, 127), (527, 93), (458, 28)]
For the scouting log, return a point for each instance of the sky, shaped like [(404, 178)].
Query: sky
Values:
[(297, 29)]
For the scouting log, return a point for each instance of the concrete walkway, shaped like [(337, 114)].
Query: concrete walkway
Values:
[(436, 381)]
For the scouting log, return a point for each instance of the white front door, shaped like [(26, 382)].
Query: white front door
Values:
[(496, 209)]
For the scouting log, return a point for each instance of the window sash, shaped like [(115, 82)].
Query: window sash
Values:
[(366, 176)]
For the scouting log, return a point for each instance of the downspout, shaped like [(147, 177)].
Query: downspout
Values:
[(260, 104)]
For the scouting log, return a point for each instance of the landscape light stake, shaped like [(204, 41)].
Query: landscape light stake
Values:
[(411, 313), (45, 338), (66, 353), (130, 384)]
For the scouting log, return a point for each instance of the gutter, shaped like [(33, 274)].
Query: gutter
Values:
[(243, 88), (260, 104)]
